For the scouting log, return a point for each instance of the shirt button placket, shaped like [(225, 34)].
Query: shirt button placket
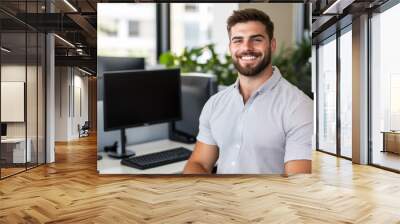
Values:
[(239, 138)]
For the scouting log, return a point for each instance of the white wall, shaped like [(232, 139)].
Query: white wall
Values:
[(12, 73), (283, 15), (61, 103), (80, 84), (33, 105), (220, 34), (67, 115)]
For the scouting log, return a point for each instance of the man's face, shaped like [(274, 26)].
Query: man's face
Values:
[(250, 47)]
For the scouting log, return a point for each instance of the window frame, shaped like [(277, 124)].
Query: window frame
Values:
[(333, 33), (380, 9)]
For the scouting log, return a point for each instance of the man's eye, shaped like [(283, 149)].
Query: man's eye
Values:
[(257, 40)]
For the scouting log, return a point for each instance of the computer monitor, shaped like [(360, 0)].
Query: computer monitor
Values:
[(140, 97), (115, 64), (197, 88), (3, 130)]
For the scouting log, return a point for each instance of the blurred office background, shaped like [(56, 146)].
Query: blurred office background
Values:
[(151, 31), (193, 37)]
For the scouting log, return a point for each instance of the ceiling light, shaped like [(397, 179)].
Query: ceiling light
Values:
[(64, 40), (331, 7), (70, 5), (5, 50), (84, 71), (337, 7)]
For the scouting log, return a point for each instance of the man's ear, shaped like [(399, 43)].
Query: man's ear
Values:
[(273, 45)]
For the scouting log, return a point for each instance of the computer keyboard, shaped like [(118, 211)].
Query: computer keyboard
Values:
[(157, 159)]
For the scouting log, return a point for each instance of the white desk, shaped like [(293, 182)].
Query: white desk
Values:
[(109, 165), (19, 149)]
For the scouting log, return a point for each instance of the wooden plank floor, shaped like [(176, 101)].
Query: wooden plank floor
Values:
[(71, 191), (10, 171)]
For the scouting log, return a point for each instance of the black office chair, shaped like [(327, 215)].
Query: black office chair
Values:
[(84, 130)]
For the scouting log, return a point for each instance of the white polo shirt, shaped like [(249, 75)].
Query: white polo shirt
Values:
[(273, 127)]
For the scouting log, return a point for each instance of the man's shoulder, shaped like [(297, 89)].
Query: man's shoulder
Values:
[(291, 92), (223, 94), (291, 98), (217, 101)]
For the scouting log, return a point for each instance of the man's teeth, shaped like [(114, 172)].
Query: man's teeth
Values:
[(248, 58)]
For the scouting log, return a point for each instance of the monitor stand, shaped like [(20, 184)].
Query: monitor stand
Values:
[(124, 153)]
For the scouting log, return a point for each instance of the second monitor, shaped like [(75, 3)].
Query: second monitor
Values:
[(197, 88)]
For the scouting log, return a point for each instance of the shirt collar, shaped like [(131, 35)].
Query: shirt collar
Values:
[(267, 85)]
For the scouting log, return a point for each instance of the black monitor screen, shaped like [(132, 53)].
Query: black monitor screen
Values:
[(115, 64), (196, 90), (3, 129), (119, 63), (140, 97)]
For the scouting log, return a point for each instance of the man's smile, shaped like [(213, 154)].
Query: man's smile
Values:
[(249, 58)]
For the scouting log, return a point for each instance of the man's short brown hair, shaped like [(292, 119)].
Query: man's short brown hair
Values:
[(246, 15)]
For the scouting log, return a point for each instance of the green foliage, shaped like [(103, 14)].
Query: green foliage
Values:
[(293, 63), (189, 61), (295, 66)]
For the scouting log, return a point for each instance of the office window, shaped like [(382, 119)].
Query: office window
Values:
[(346, 94), (385, 88), (22, 79), (136, 30), (394, 101), (327, 96), (202, 25), (192, 34), (31, 99), (13, 84)]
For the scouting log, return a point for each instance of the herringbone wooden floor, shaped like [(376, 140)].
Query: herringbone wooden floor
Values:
[(71, 191)]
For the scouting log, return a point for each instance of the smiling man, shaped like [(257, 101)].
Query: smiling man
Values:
[(262, 124)]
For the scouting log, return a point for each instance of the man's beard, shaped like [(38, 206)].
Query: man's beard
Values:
[(258, 68)]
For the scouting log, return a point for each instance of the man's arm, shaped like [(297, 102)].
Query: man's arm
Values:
[(297, 166), (298, 148), (202, 159)]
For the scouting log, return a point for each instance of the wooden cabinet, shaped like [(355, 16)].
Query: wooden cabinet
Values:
[(391, 142)]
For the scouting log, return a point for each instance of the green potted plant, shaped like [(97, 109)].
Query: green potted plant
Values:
[(294, 64), (189, 61)]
